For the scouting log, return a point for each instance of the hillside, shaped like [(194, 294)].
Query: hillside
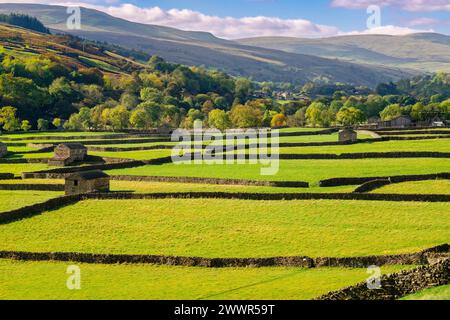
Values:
[(49, 76), (19, 42), (427, 52), (199, 48)]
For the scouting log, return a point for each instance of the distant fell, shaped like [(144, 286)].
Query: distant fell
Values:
[(424, 52), (204, 49)]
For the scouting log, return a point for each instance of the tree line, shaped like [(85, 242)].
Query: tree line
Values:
[(24, 21), (45, 92)]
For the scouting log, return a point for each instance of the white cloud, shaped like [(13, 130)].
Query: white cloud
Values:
[(410, 5), (388, 30), (227, 27), (423, 22)]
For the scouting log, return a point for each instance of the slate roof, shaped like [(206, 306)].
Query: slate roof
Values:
[(72, 146), (88, 175)]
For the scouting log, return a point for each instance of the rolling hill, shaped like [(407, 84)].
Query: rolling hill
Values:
[(20, 42), (426, 52), (200, 48)]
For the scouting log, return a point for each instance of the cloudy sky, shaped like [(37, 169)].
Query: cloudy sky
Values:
[(297, 18)]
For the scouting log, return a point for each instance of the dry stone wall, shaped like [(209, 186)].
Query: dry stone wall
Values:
[(372, 185), (214, 181), (298, 261), (367, 155), (61, 173), (348, 181), (413, 132), (273, 196), (397, 285), (6, 176)]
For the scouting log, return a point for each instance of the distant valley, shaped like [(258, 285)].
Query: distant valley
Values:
[(424, 52), (200, 48)]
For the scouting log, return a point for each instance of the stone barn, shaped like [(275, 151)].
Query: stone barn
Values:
[(68, 153), (164, 129), (399, 122), (3, 149), (87, 182), (348, 135)]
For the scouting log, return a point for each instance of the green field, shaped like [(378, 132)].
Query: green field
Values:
[(20, 149), (174, 187), (100, 64), (417, 187), (58, 134), (30, 155), (32, 181), (215, 228), (11, 200), (135, 155), (233, 228), (436, 145), (293, 139), (157, 187), (432, 145), (301, 129), (422, 130), (47, 280), (300, 139), (297, 170), (18, 169), (437, 293)]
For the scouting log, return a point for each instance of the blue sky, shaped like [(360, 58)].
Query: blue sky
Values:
[(299, 18)]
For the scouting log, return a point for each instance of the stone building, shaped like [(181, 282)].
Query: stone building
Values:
[(399, 122), (68, 153), (164, 129), (87, 182), (348, 135), (3, 149)]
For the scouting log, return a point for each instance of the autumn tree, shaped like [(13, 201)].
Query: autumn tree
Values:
[(42, 124), (8, 119), (219, 119), (278, 120), (392, 111), (244, 116), (119, 117), (314, 113), (350, 116), (25, 125)]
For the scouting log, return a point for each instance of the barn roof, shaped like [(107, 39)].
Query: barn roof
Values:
[(88, 175), (401, 117), (72, 145)]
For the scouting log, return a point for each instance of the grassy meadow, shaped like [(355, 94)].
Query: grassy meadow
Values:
[(18, 168), (297, 170), (436, 293), (214, 228), (11, 200), (417, 187), (47, 280), (233, 228)]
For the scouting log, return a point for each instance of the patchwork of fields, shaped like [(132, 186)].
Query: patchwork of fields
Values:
[(226, 225)]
